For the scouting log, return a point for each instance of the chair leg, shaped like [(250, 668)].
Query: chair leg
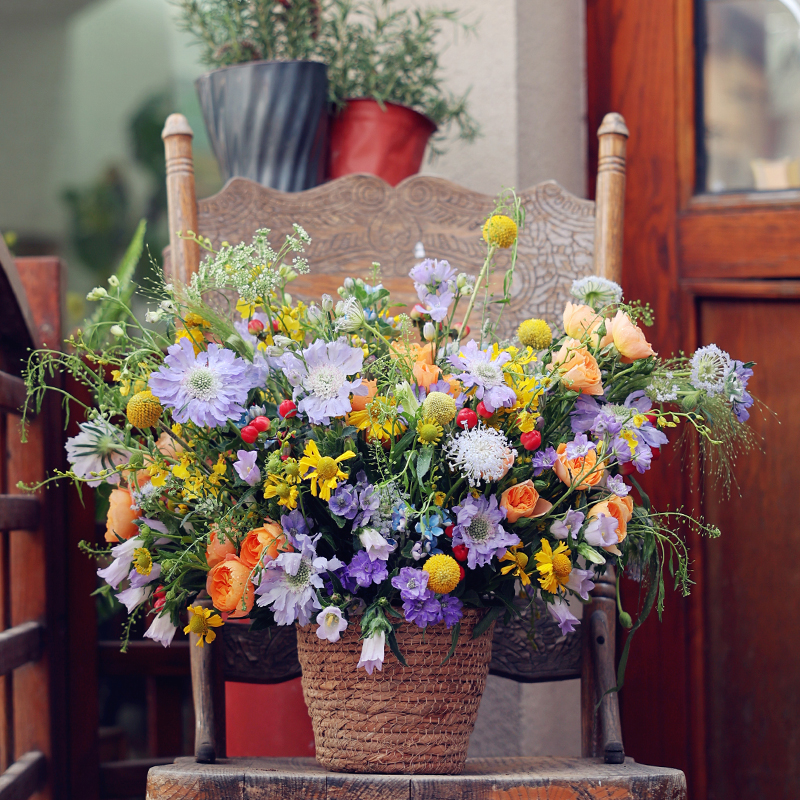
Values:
[(603, 652), (208, 693)]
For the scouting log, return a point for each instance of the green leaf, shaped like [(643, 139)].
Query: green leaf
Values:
[(340, 521), (453, 642), (424, 462), (395, 648), (491, 615), (645, 498), (590, 554)]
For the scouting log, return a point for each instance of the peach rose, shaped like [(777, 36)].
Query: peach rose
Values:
[(270, 538), (629, 339), (119, 522), (568, 469), (455, 385), (413, 351), (621, 508), (230, 588), (360, 401), (425, 374), (217, 550), (578, 368), (580, 320), (523, 500)]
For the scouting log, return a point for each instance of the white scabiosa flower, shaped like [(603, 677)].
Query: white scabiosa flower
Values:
[(96, 452), (350, 315), (710, 367), (596, 292), (481, 454)]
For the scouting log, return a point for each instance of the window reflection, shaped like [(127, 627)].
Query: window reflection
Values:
[(750, 95)]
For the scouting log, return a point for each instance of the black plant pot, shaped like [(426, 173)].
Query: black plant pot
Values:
[(268, 121)]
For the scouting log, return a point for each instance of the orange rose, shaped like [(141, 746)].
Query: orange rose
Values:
[(621, 508), (217, 550), (629, 339), (167, 446), (230, 588), (425, 374), (578, 368), (119, 522), (269, 538), (360, 401), (413, 352), (568, 469), (580, 320), (523, 500)]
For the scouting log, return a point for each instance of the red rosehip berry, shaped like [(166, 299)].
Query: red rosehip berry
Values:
[(261, 424), (160, 596), (448, 531), (461, 573), (483, 411), (276, 325), (287, 409), (249, 434), (255, 326), (460, 552), (531, 440), (466, 419)]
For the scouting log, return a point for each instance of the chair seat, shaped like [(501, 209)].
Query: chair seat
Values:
[(539, 778)]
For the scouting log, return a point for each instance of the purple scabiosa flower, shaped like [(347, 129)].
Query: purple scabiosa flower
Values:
[(365, 571), (580, 446), (294, 525), (161, 630), (639, 401), (288, 585), (372, 652), (425, 610), (478, 528), (583, 413), (451, 610), (570, 525), (559, 611), (344, 501), (246, 467), (321, 379), (616, 485), (412, 583), (543, 460), (208, 388), (736, 390), (96, 449), (377, 548), (331, 623), (602, 531), (580, 582), (485, 373)]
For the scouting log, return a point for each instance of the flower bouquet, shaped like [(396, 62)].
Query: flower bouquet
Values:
[(384, 481)]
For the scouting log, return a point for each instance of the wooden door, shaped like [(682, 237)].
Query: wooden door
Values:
[(713, 689)]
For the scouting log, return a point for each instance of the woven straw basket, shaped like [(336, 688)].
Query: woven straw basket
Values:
[(414, 719)]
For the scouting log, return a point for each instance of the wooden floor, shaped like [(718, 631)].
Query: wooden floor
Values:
[(483, 779)]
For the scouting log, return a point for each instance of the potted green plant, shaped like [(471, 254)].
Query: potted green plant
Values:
[(386, 85), (266, 102)]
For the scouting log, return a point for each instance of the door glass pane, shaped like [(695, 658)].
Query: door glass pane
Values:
[(749, 53)]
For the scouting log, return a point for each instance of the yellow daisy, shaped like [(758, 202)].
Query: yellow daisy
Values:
[(202, 623), (324, 472), (554, 566), (280, 487), (377, 420), (518, 563)]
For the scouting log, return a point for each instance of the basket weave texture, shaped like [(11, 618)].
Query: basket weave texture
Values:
[(413, 720)]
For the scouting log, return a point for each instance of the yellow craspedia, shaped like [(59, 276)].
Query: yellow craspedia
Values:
[(500, 231), (144, 410), (443, 573), (439, 407), (535, 333)]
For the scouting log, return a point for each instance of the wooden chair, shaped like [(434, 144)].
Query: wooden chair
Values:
[(354, 221)]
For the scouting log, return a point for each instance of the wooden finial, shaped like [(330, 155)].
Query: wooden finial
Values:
[(610, 197), (181, 198)]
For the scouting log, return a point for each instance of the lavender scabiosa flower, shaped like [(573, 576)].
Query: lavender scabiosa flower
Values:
[(452, 610), (478, 528), (412, 583), (424, 610), (321, 379), (246, 467), (584, 412), (559, 611), (95, 450), (478, 369), (208, 388), (365, 571), (331, 623), (570, 525), (543, 460), (288, 585)]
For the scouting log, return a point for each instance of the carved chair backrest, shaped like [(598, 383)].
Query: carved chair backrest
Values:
[(353, 222)]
